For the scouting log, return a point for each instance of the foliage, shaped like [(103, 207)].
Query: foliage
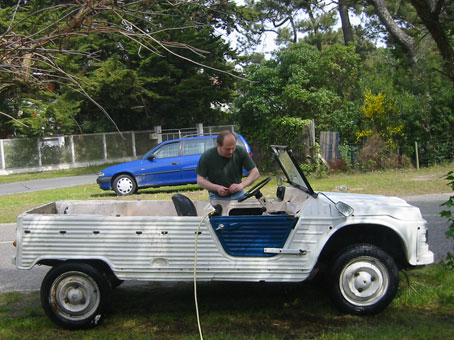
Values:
[(300, 82), (449, 214), (132, 64), (51, 114), (381, 119)]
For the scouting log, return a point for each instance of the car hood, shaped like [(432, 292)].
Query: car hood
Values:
[(377, 205), (123, 167)]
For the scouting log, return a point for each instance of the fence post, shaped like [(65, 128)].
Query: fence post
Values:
[(104, 145), (417, 155), (199, 127), (133, 137), (312, 139), (40, 163), (2, 154), (71, 148), (158, 131)]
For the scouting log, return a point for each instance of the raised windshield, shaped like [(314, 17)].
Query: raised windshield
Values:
[(291, 169)]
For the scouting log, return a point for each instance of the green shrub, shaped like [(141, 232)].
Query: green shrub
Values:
[(449, 214)]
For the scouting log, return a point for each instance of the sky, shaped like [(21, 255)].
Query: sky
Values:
[(267, 45)]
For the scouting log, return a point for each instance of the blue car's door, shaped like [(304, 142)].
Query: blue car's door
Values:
[(191, 151), (163, 168)]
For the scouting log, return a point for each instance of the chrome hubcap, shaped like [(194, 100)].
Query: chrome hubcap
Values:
[(364, 281), (75, 295), (124, 185)]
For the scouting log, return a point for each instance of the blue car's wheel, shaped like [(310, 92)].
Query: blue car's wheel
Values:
[(124, 185)]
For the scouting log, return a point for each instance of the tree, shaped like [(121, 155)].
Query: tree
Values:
[(290, 18), (437, 17), (300, 82), (347, 28), (433, 16), (50, 44), (401, 37)]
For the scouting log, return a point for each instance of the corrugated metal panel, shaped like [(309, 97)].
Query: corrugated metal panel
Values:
[(159, 248)]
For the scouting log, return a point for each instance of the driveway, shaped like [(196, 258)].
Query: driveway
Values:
[(46, 184)]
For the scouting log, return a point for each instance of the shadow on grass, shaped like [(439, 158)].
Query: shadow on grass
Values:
[(243, 309), (237, 311), (151, 191)]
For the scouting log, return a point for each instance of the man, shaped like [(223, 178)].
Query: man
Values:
[(220, 169)]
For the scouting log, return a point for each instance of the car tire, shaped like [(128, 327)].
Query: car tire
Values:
[(75, 295), (363, 280), (124, 185)]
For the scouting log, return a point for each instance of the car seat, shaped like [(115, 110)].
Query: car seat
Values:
[(183, 205)]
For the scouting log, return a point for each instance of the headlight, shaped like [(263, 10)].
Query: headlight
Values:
[(100, 174)]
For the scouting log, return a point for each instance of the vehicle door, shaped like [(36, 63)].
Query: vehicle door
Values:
[(162, 167), (192, 149), (253, 236)]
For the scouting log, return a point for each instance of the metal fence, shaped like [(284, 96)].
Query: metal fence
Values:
[(20, 155)]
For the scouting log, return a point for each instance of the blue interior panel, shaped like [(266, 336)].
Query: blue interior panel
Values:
[(249, 235)]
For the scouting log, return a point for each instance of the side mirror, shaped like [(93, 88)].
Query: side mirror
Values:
[(344, 209), (151, 157)]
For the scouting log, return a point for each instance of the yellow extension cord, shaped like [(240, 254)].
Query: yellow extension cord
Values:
[(195, 275)]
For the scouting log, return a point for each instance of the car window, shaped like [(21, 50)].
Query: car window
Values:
[(240, 142), (195, 146), (168, 150), (212, 142)]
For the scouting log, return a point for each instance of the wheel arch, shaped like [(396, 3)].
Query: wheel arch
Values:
[(114, 177), (379, 235), (98, 264)]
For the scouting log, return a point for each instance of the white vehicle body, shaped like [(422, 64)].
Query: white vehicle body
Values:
[(285, 239)]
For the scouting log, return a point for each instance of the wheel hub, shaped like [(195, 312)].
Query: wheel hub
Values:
[(364, 281), (75, 295), (124, 185)]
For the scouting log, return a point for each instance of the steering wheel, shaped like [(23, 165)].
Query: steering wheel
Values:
[(254, 190)]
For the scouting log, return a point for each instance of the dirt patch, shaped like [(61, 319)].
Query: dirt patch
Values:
[(424, 178)]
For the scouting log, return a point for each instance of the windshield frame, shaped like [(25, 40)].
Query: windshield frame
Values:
[(290, 167)]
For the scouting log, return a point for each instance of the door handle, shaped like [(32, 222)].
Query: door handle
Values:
[(174, 163)]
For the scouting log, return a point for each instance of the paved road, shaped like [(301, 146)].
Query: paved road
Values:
[(46, 184), (29, 280)]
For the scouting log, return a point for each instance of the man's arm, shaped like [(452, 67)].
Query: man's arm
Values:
[(206, 184), (253, 175)]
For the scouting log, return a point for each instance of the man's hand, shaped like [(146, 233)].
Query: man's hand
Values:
[(222, 191), (235, 187)]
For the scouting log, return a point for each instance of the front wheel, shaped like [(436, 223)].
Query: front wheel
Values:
[(364, 280), (75, 295), (124, 185)]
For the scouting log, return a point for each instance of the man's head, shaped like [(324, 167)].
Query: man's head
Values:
[(226, 143)]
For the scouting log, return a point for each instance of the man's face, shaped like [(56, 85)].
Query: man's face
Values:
[(228, 147)]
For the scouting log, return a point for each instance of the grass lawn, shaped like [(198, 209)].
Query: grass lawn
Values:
[(404, 182), (236, 311), (422, 309)]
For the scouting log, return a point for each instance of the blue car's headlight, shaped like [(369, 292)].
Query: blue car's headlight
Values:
[(100, 174)]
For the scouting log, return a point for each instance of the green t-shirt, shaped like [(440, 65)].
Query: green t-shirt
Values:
[(224, 171)]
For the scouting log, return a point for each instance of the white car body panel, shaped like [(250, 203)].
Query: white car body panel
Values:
[(139, 245)]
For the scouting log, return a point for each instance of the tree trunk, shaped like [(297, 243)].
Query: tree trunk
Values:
[(346, 25), (404, 40), (429, 12)]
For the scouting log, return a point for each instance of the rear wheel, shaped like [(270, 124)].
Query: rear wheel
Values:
[(124, 185), (75, 295), (364, 280)]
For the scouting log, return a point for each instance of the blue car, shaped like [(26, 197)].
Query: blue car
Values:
[(172, 162)]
